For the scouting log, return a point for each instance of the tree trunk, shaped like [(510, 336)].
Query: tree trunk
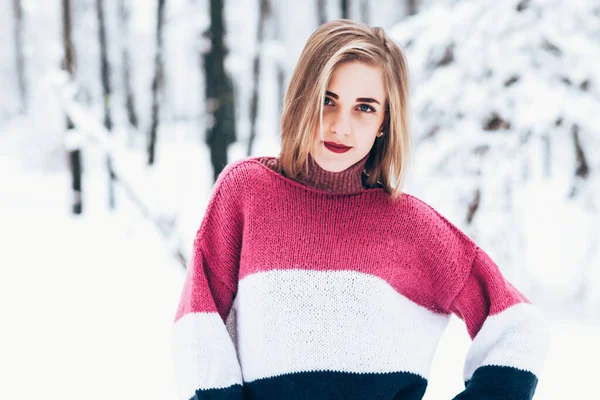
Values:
[(219, 92), (411, 7), (279, 63), (107, 92), (124, 17), (19, 54), (345, 9), (265, 13), (546, 156), (74, 154), (473, 206), (322, 11), (104, 65), (281, 85), (364, 11), (157, 82), (583, 168)]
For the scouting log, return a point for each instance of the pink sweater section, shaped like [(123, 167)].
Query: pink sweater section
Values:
[(259, 220)]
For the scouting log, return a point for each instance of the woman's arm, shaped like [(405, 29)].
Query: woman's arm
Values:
[(510, 337), (205, 359)]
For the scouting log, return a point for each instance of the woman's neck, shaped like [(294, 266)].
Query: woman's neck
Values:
[(349, 180)]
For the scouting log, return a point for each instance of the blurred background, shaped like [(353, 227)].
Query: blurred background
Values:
[(116, 116)]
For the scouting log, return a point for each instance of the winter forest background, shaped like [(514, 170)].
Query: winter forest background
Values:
[(116, 115)]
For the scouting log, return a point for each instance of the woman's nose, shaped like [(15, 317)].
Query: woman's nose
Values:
[(341, 125)]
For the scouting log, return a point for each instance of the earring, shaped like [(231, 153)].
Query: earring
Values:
[(380, 134)]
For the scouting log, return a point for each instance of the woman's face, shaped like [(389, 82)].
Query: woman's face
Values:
[(353, 112)]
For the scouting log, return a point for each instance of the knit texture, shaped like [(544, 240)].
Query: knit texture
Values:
[(336, 291), (347, 181)]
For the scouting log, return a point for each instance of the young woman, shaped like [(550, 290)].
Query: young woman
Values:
[(341, 285)]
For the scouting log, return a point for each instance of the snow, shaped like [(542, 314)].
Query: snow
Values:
[(87, 302), (471, 60)]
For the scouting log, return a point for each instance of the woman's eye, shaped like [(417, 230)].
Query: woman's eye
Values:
[(366, 108), (327, 101)]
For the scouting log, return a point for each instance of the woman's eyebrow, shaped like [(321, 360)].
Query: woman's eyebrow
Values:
[(335, 96), (367, 100), (359, 99)]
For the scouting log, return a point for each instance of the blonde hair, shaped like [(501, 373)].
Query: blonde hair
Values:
[(332, 44)]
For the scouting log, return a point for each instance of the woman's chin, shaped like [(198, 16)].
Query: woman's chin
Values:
[(335, 163)]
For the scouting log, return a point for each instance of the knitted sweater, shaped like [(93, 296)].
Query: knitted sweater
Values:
[(332, 290)]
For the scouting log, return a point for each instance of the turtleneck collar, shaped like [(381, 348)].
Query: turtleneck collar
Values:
[(348, 181)]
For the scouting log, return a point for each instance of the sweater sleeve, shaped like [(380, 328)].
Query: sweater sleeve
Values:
[(510, 337), (204, 356)]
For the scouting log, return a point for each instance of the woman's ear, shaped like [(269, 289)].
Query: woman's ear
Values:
[(383, 127)]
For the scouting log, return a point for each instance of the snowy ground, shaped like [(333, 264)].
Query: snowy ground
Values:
[(87, 303)]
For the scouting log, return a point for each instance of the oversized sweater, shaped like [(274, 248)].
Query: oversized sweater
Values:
[(331, 290)]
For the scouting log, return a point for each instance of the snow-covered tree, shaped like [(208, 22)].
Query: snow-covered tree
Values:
[(506, 121)]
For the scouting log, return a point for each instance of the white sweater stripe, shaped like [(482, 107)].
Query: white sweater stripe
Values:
[(301, 320), (204, 355), (517, 337)]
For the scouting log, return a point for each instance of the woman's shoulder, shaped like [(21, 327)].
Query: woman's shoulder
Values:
[(246, 170), (247, 176), (442, 248), (433, 230), (423, 214)]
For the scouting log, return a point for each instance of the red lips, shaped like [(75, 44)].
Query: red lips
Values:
[(336, 147)]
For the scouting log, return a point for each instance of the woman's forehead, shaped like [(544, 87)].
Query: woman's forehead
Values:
[(357, 79)]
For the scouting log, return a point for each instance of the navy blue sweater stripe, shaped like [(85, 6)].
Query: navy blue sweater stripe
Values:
[(234, 392), (500, 383), (325, 385), (488, 382)]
